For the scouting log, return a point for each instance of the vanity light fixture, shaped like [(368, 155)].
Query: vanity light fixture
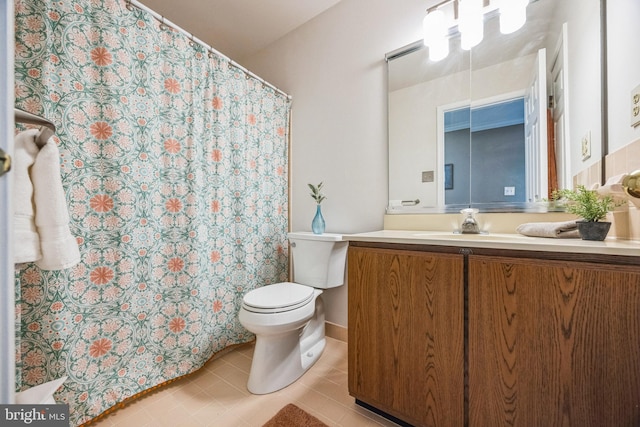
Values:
[(467, 18)]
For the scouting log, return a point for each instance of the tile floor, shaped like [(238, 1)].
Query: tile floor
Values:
[(217, 396)]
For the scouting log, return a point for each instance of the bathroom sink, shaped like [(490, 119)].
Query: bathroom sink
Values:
[(459, 236)]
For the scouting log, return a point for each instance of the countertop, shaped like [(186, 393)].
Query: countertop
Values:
[(609, 246)]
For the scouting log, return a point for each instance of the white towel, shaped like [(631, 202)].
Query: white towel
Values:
[(27, 242), (562, 230), (58, 247), (41, 394)]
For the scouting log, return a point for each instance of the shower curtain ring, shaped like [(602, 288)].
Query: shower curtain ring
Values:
[(129, 6), (163, 26), (192, 42)]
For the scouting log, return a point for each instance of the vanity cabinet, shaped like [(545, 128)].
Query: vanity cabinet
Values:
[(451, 336), (406, 331), (553, 343)]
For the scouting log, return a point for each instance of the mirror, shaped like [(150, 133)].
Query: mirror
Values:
[(499, 126)]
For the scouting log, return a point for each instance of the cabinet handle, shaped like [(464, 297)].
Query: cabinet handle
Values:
[(5, 162)]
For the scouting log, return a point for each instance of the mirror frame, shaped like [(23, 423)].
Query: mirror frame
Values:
[(604, 107)]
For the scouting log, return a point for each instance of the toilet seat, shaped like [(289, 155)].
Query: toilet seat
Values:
[(277, 298)]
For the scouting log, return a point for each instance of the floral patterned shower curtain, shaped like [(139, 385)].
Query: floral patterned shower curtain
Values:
[(174, 165)]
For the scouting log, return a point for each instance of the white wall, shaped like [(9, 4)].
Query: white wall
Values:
[(584, 70), (413, 129), (624, 69), (334, 68), (7, 280)]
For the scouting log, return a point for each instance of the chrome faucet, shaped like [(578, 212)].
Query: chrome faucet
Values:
[(469, 224)]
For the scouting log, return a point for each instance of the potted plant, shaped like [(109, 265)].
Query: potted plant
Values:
[(317, 225), (591, 207)]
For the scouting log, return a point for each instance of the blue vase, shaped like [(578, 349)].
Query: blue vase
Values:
[(317, 225)]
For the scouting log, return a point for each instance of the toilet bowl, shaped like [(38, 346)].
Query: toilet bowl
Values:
[(288, 318)]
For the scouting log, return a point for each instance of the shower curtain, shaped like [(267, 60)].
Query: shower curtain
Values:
[(174, 164)]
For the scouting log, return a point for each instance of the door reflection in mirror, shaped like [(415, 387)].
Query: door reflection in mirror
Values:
[(493, 136)]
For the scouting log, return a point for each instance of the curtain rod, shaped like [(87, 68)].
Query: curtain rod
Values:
[(194, 39)]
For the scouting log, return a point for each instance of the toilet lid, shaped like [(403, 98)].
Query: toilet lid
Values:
[(279, 296)]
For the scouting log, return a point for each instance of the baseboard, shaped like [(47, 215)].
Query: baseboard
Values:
[(334, 331), (382, 413)]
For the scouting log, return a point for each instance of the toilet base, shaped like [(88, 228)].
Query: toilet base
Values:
[(279, 360), (269, 376)]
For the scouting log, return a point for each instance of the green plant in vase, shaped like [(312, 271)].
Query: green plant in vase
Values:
[(591, 207), (318, 224)]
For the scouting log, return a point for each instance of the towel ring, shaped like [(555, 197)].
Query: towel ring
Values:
[(47, 128)]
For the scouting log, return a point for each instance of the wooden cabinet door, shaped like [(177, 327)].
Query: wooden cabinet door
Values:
[(553, 343), (406, 327)]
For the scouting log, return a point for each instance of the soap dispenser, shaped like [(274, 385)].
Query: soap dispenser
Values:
[(469, 223)]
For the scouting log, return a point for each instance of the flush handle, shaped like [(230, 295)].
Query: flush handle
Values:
[(293, 244), (5, 162)]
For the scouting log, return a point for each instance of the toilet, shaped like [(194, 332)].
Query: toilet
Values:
[(288, 318)]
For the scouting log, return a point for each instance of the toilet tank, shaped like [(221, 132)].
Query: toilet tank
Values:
[(318, 259)]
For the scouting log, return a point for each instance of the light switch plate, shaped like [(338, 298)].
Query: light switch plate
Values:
[(635, 106), (586, 145), (427, 176)]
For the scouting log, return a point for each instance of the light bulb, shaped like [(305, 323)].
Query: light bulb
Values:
[(434, 27), (471, 25), (513, 15), (440, 50), (435, 30)]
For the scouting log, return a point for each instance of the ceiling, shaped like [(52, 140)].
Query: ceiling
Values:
[(239, 28)]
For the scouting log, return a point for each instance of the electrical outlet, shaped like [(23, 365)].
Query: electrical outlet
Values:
[(509, 191), (586, 145), (635, 106)]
